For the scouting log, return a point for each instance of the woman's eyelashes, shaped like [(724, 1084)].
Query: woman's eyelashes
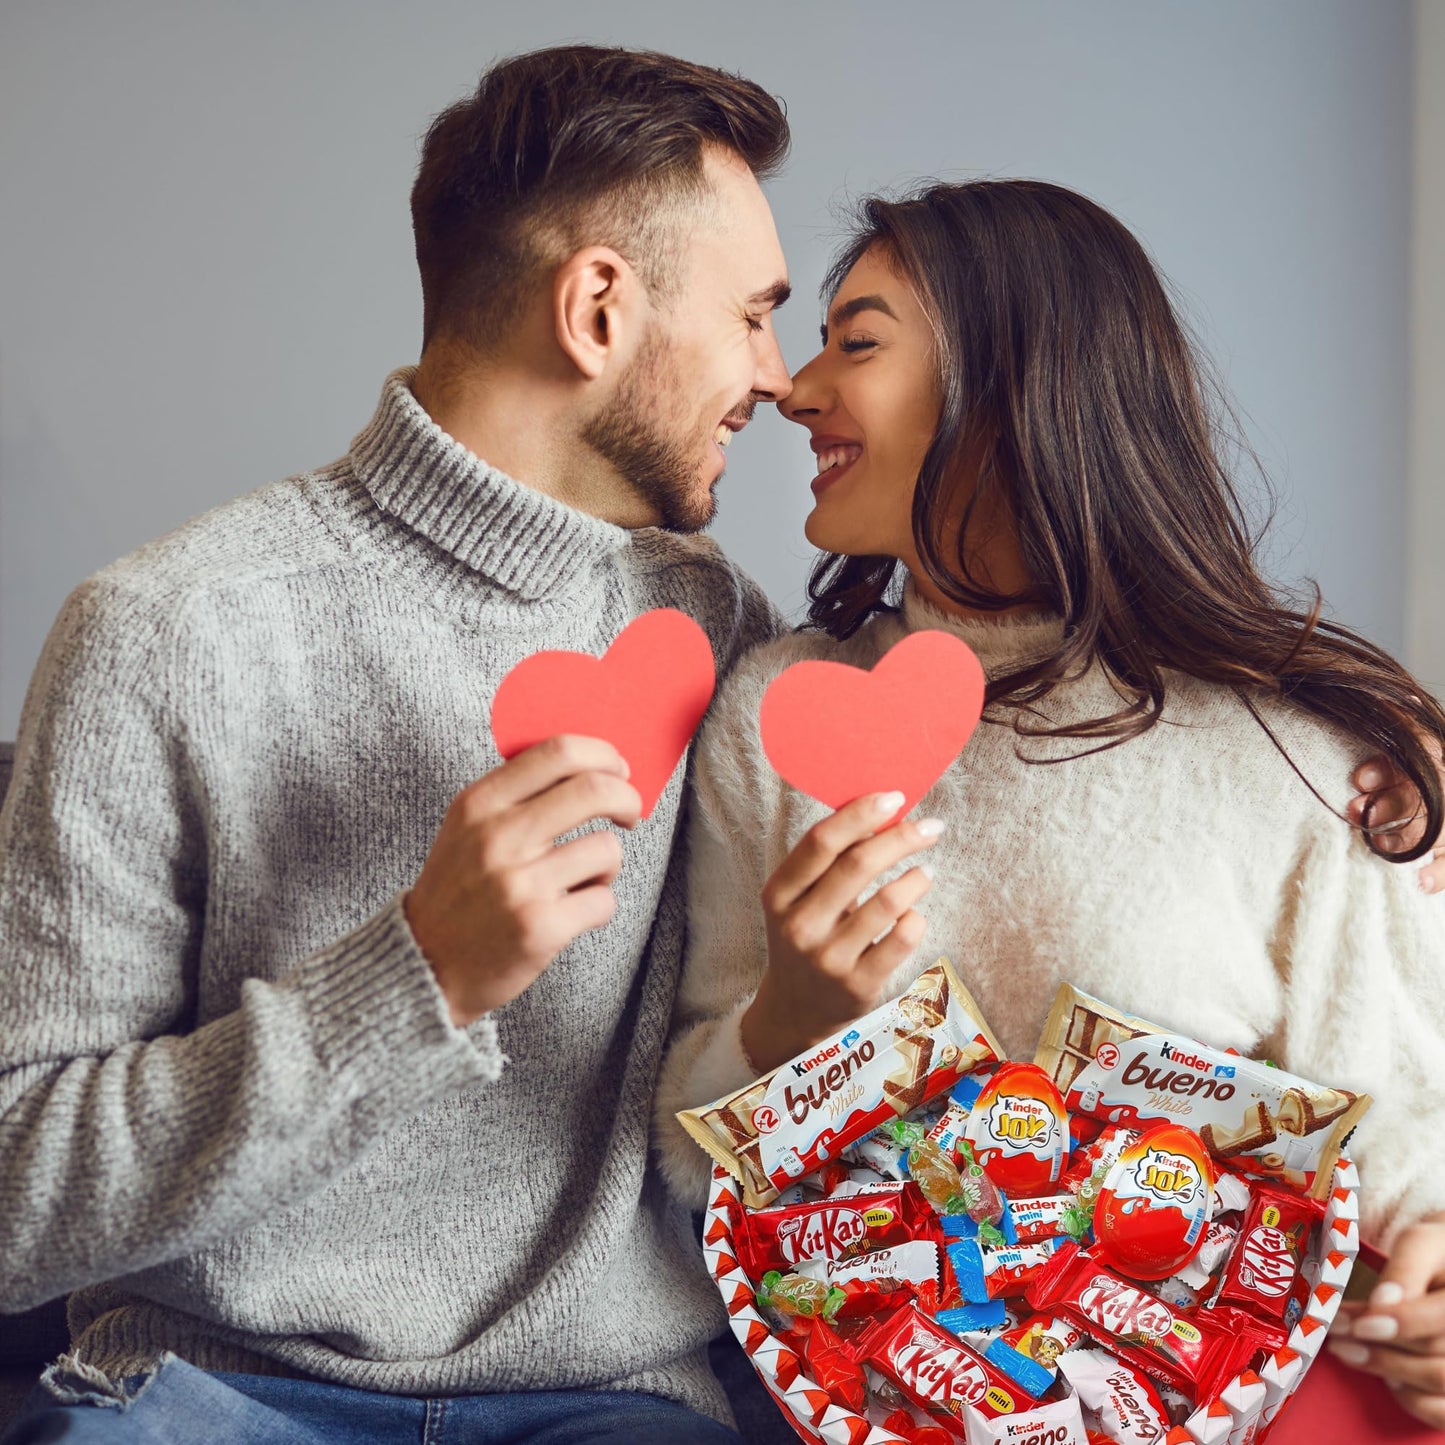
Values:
[(855, 343)]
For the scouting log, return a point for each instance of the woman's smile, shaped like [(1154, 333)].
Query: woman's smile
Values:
[(836, 456)]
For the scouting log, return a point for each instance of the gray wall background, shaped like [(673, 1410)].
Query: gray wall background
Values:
[(205, 253)]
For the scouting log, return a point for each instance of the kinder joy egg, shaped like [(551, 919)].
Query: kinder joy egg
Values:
[(1155, 1203), (1018, 1129)]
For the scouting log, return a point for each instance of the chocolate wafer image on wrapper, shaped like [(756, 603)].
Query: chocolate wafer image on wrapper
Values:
[(793, 1120)]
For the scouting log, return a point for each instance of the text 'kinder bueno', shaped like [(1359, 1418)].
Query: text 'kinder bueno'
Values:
[(825, 1085)]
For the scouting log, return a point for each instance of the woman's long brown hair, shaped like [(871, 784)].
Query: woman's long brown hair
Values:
[(1062, 362)]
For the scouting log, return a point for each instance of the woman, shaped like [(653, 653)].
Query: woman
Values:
[(1014, 444)]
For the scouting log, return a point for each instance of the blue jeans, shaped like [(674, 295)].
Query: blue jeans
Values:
[(181, 1405)]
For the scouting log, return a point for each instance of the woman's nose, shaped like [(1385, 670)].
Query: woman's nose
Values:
[(806, 399)]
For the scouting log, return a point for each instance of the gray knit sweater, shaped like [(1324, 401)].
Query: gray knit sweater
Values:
[(235, 1118)]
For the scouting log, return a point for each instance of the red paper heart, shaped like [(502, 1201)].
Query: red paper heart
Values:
[(837, 732), (645, 695)]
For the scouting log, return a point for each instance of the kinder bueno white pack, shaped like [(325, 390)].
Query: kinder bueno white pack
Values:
[(1255, 1118), (884, 1066)]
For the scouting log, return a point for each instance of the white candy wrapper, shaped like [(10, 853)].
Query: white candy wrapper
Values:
[(784, 1125), (1060, 1422), (1252, 1117)]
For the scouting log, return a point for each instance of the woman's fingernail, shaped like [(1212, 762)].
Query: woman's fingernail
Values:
[(931, 827), (1371, 777), (1351, 1354), (1387, 1293), (886, 803), (1375, 1327)]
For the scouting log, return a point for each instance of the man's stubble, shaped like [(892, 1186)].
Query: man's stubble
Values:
[(649, 437)]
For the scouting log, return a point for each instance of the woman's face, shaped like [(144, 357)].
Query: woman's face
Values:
[(870, 399)]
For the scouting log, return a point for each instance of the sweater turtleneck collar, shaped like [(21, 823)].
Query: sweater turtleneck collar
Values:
[(1002, 644), (522, 539)]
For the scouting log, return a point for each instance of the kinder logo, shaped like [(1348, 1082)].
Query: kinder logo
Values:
[(804, 1067), (1124, 1311), (1168, 1177), (1022, 1123), (1187, 1060), (1132, 1405), (939, 1374), (826, 1231), (1266, 1262)]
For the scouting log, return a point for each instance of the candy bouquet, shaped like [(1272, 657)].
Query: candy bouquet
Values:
[(1134, 1238)]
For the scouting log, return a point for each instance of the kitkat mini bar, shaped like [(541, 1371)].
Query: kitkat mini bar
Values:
[(1255, 1118), (936, 1370), (788, 1123)]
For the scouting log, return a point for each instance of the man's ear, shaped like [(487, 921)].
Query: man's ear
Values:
[(595, 300)]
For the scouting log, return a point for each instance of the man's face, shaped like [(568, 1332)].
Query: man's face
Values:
[(707, 359)]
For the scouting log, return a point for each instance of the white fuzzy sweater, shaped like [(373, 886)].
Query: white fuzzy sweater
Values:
[(1187, 876)]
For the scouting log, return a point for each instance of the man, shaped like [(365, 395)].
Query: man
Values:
[(340, 1115), (333, 1123)]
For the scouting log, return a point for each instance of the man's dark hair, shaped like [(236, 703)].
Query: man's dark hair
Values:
[(567, 147)]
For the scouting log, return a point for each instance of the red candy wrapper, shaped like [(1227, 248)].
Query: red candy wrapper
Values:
[(1154, 1205), (833, 1367), (1197, 1353), (877, 1218), (1046, 1217), (1019, 1130), (1264, 1266), (936, 1370)]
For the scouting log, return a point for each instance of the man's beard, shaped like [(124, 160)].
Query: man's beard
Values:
[(644, 434)]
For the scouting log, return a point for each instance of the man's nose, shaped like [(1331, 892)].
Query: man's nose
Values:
[(772, 382)]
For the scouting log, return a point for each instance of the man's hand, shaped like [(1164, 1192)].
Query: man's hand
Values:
[(498, 899), (828, 955), (1400, 1333), (1395, 804)]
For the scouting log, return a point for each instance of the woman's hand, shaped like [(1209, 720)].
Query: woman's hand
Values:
[(1394, 802), (1399, 1334), (830, 956)]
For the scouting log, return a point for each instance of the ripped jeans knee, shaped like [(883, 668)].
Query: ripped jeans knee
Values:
[(72, 1382)]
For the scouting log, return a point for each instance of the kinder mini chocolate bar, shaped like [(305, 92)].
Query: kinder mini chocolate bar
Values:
[(1257, 1119), (1120, 1401), (1218, 1242), (984, 1273), (1039, 1339), (1060, 1422), (952, 1125), (1046, 1217), (789, 1122)]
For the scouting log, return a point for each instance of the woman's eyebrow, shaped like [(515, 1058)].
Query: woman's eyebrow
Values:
[(847, 310)]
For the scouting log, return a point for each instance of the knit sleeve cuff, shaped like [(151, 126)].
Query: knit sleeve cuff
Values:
[(723, 1065), (381, 1024)]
